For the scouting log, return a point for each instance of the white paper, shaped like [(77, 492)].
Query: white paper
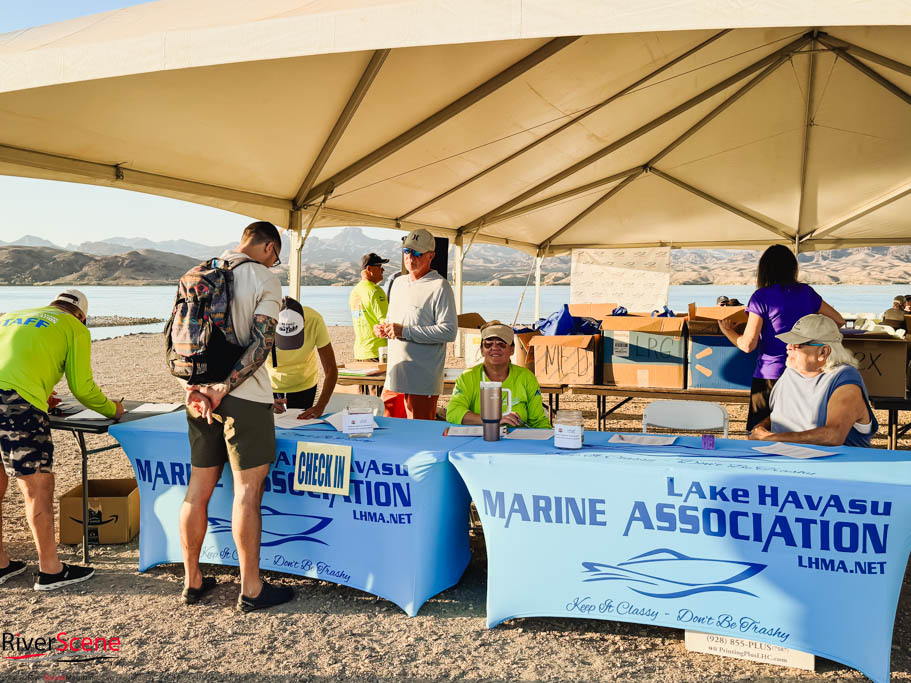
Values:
[(643, 439), (531, 434), (288, 420), (464, 430), (792, 451), (336, 421), (157, 408), (88, 414), (637, 278)]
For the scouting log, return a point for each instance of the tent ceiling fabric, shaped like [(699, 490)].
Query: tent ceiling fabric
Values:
[(536, 124)]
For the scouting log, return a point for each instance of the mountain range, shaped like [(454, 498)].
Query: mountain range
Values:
[(336, 261)]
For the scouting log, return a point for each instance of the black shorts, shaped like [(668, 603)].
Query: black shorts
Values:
[(760, 390), (25, 436)]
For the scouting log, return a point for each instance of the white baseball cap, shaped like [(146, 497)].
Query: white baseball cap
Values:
[(76, 298)]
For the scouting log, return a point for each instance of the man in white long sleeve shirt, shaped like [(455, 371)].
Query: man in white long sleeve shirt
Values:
[(420, 322)]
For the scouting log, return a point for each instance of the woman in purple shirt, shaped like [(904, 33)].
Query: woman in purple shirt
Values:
[(778, 302)]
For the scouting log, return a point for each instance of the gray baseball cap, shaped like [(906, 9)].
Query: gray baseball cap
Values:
[(815, 327), (420, 240)]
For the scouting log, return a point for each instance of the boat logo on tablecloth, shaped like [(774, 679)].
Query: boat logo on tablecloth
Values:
[(666, 573), (275, 518)]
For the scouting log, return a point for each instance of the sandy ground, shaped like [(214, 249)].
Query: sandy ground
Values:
[(330, 632)]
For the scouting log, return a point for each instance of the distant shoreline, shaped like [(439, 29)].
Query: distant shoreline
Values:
[(116, 321)]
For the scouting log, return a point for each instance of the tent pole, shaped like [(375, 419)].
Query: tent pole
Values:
[(538, 259), (295, 223), (459, 256)]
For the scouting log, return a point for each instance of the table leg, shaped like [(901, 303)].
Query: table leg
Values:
[(893, 428), (85, 497)]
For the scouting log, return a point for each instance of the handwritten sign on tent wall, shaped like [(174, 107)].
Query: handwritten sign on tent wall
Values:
[(637, 279)]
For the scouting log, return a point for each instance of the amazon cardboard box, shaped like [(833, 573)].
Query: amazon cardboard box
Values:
[(113, 512), (644, 352), (568, 359), (882, 361)]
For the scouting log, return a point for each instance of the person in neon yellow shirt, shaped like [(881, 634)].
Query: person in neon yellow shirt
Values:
[(301, 338), (369, 305), (497, 347), (37, 347)]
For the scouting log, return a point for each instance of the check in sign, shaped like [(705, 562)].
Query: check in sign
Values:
[(322, 468)]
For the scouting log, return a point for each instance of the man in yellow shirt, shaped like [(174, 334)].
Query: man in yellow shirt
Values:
[(301, 337), (37, 347), (369, 305), (497, 347)]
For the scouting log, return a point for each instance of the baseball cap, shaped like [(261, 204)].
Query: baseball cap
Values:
[(289, 334), (815, 327), (497, 329), (372, 259), (420, 240), (76, 298)]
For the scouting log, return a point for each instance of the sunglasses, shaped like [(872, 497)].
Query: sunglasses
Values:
[(491, 343), (798, 346), (275, 250), (407, 250)]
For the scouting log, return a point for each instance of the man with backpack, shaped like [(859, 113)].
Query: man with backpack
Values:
[(37, 346), (229, 417)]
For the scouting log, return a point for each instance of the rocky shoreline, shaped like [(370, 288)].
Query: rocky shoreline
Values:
[(118, 321)]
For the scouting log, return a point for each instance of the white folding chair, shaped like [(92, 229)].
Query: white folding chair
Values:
[(339, 401), (689, 415)]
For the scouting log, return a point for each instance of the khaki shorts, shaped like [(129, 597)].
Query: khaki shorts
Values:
[(242, 433)]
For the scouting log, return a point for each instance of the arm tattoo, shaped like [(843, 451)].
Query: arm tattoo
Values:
[(256, 352)]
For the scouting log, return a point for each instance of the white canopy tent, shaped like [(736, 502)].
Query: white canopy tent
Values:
[(542, 125)]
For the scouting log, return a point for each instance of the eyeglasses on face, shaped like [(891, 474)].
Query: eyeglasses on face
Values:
[(797, 346), (491, 343), (407, 250), (276, 250)]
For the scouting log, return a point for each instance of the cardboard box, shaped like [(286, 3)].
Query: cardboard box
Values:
[(113, 512), (525, 352), (570, 359), (883, 363), (644, 352), (714, 363), (469, 324), (704, 319), (596, 311)]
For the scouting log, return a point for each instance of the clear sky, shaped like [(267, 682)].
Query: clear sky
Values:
[(70, 213)]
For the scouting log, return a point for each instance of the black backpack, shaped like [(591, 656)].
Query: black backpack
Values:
[(201, 345)]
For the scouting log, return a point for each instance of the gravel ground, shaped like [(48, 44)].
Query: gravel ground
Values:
[(332, 632)]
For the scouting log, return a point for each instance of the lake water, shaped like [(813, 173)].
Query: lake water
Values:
[(490, 302)]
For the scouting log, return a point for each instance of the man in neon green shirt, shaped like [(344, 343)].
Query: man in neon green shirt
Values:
[(37, 347), (497, 347), (369, 305)]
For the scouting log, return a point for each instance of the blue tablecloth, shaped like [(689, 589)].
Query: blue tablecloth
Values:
[(401, 535), (806, 554)]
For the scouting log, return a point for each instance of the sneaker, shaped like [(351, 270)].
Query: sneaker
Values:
[(14, 568), (71, 574), (269, 596)]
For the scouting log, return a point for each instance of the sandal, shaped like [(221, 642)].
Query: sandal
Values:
[(191, 596)]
